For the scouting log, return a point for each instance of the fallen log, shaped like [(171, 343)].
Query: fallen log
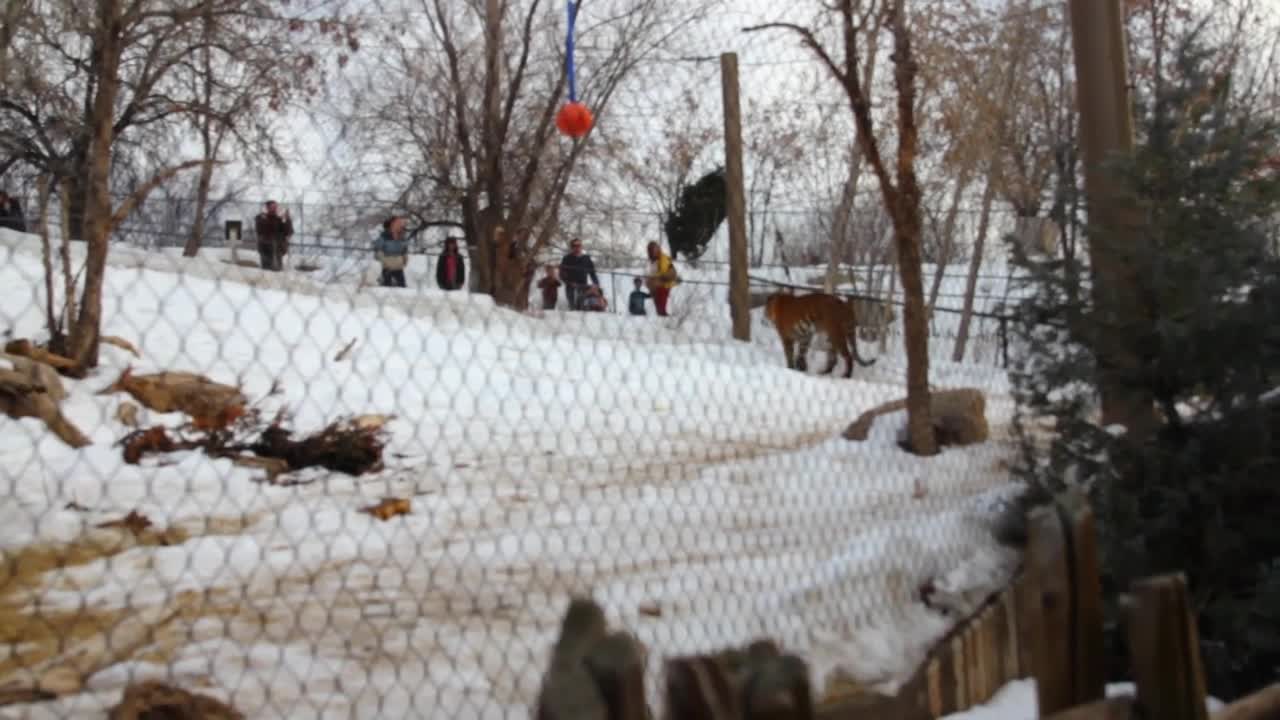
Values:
[(27, 349), (22, 396)]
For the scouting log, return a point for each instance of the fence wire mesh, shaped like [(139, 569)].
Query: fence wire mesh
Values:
[(306, 493)]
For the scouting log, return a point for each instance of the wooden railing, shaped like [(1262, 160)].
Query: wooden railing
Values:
[(1046, 625)]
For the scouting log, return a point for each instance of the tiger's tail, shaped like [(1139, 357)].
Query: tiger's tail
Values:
[(853, 345)]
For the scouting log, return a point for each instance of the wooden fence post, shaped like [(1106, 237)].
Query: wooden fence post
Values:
[(758, 683), (735, 202), (1164, 648), (1089, 666), (1046, 606), (593, 673)]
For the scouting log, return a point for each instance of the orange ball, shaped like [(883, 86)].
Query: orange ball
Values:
[(574, 119)]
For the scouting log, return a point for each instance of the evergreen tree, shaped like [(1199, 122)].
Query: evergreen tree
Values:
[(1200, 495), (697, 215)]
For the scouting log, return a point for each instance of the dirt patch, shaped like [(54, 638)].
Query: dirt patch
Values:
[(40, 635)]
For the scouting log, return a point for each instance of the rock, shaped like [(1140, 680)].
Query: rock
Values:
[(127, 414), (959, 417)]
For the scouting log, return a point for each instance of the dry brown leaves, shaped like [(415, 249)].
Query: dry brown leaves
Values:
[(135, 522), (388, 508), (140, 443)]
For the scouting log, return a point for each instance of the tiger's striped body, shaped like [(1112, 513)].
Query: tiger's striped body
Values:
[(798, 318)]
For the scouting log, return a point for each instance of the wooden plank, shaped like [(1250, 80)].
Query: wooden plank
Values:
[(989, 656), (700, 687), (1088, 671), (933, 673), (937, 687), (1164, 648), (950, 669), (1013, 664), (1030, 619), (1116, 708), (777, 688), (759, 683), (1006, 640), (1262, 705), (569, 692), (616, 663), (1050, 645)]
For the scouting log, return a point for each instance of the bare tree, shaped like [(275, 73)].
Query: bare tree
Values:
[(689, 141), (900, 190), (91, 74), (483, 89), (239, 94)]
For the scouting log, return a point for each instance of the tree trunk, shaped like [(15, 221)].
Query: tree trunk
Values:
[(840, 223), (58, 343), (77, 184), (88, 325), (947, 245), (975, 264), (196, 239), (849, 192), (207, 145), (478, 278), (46, 254), (915, 329), (888, 258)]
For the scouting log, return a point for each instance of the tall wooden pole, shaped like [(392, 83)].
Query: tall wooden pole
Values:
[(735, 203), (1106, 130)]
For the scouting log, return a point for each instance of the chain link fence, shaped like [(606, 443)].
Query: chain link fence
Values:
[(695, 486), (311, 493)]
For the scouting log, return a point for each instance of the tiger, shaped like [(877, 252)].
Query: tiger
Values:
[(874, 318), (798, 317)]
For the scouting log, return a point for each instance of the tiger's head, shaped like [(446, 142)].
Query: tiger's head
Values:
[(773, 306)]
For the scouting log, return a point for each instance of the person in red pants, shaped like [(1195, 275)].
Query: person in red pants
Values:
[(662, 277)]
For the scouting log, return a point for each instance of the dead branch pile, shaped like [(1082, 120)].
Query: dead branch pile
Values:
[(353, 445)]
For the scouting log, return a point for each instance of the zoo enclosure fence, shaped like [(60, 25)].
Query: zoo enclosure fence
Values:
[(357, 483)]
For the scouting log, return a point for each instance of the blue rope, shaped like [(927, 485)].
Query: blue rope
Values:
[(573, 83)]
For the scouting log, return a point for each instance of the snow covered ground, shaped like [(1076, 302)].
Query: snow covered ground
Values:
[(1017, 701), (695, 486)]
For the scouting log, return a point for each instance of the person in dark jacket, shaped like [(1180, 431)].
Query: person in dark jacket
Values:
[(635, 301), (575, 268), (11, 213), (274, 231), (451, 268), (392, 251), (550, 287)]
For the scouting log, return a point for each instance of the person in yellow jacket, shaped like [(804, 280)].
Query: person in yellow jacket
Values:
[(662, 277)]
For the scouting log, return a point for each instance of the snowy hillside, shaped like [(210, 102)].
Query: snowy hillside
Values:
[(695, 486)]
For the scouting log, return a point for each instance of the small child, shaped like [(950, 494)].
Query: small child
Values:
[(593, 300), (635, 302), (550, 287)]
